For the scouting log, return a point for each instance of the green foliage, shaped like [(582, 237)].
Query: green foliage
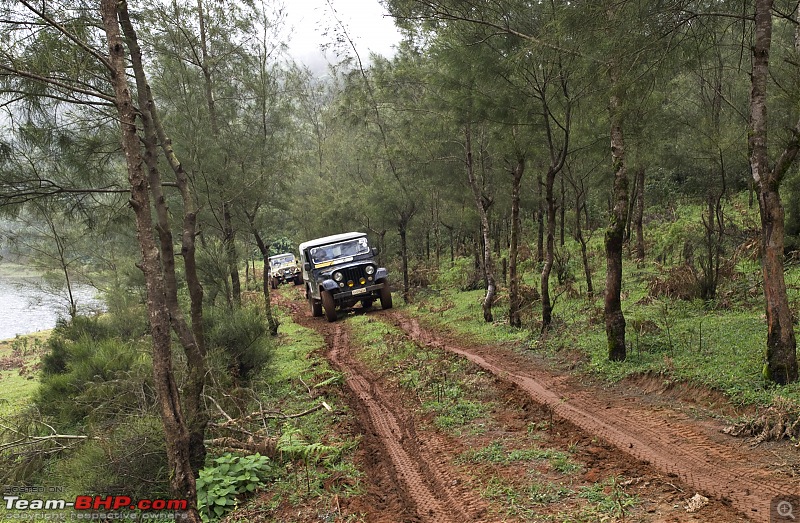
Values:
[(221, 485), (461, 275), (133, 450), (608, 497), (240, 337), (90, 376)]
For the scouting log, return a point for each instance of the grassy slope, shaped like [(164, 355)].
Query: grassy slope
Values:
[(719, 344)]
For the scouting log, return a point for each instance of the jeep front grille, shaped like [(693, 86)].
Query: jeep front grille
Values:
[(353, 274)]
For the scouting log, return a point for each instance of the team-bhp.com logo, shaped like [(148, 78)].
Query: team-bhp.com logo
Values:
[(109, 507)]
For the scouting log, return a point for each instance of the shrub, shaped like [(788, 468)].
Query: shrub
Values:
[(132, 459), (93, 378), (241, 334), (220, 486)]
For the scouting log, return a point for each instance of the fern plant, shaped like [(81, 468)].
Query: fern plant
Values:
[(293, 444)]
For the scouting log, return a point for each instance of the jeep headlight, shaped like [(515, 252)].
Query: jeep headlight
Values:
[(337, 276), (370, 270)]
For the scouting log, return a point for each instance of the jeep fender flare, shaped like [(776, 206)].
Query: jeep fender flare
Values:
[(329, 285), (381, 273)]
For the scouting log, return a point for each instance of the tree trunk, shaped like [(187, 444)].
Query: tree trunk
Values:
[(194, 348), (513, 287), (402, 228), (540, 222), (550, 206), (587, 270), (614, 318), (230, 252), (272, 322), (482, 204), (562, 213), (781, 365), (176, 434), (639, 214)]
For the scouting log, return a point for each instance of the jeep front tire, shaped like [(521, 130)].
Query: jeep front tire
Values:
[(328, 305), (315, 306), (386, 294)]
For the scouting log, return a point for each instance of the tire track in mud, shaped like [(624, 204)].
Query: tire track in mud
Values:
[(674, 446), (415, 465)]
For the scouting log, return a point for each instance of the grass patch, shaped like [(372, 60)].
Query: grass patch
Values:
[(446, 386)]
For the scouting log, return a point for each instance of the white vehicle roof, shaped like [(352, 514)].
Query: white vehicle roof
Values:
[(281, 255), (331, 239)]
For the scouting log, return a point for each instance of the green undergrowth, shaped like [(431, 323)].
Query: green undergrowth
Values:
[(303, 415), (20, 358), (719, 344)]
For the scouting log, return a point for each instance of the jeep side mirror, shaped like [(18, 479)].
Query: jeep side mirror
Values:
[(375, 251), (307, 266)]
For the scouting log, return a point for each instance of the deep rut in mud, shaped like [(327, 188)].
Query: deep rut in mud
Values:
[(667, 440)]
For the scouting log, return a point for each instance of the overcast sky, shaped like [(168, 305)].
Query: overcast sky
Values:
[(366, 21)]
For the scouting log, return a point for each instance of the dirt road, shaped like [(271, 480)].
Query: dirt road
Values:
[(413, 479)]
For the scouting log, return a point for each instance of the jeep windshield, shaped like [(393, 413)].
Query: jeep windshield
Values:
[(342, 251), (282, 260)]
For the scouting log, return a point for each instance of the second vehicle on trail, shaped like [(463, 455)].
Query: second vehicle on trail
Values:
[(340, 271), (283, 268)]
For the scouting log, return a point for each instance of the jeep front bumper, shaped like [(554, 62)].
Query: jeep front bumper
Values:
[(344, 294)]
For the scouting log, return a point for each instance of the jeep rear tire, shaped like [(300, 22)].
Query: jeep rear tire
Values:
[(386, 294), (328, 305)]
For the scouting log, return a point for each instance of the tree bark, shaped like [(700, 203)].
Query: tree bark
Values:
[(781, 366), (176, 434), (513, 287), (195, 413), (614, 318), (402, 229), (550, 207), (272, 322), (639, 214), (482, 204), (229, 235)]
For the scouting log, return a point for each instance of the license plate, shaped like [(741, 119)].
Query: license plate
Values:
[(360, 291)]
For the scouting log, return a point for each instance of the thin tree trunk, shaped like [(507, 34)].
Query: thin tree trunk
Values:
[(781, 364), (482, 205), (194, 348), (231, 255), (176, 434), (403, 231), (540, 222), (639, 216), (579, 236), (272, 322), (513, 287), (614, 318), (562, 213), (550, 206)]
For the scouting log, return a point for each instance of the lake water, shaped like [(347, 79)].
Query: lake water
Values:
[(25, 305)]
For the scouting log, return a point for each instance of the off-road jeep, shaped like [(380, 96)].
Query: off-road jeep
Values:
[(340, 271), (283, 268)]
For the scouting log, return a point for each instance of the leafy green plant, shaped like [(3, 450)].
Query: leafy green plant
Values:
[(293, 444), (220, 486)]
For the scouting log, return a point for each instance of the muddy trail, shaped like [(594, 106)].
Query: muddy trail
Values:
[(412, 478)]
